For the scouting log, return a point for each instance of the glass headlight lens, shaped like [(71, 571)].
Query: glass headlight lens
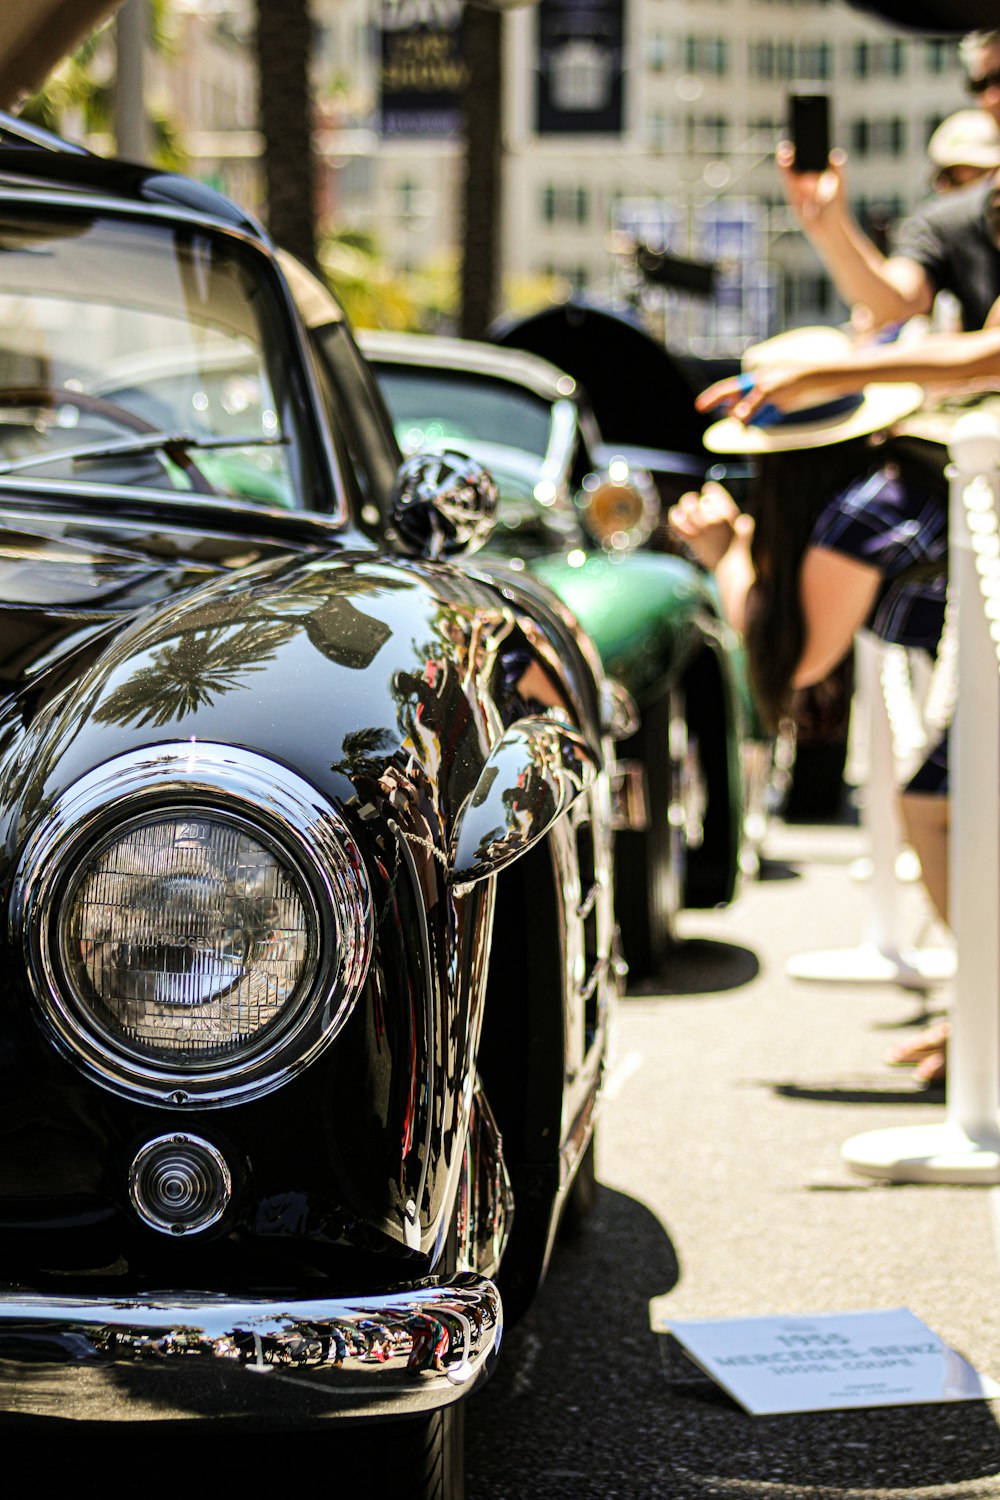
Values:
[(186, 938), (613, 513)]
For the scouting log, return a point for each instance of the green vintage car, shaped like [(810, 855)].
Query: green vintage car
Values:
[(574, 513)]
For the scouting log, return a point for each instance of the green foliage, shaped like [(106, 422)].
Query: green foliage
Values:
[(79, 94), (377, 295), (374, 294)]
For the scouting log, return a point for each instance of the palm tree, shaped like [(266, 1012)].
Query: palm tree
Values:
[(483, 44), (284, 44), (83, 85)]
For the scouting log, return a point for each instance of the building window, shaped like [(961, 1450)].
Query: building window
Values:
[(706, 54), (707, 132), (890, 58), (930, 125), (656, 52), (886, 137), (773, 60), (577, 276), (808, 296), (815, 60), (878, 59), (406, 195), (940, 56), (564, 205), (658, 130), (762, 59), (877, 216), (765, 132)]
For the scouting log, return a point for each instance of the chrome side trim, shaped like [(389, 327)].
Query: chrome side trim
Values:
[(395, 1353), (296, 818), (485, 1194)]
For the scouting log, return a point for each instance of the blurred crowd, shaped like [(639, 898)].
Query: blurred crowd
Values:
[(845, 527)]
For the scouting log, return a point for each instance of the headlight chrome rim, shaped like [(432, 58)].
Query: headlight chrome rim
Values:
[(276, 806)]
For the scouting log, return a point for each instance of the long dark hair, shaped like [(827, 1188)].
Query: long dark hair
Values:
[(785, 498)]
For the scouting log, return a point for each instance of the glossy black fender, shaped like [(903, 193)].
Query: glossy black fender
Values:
[(383, 684)]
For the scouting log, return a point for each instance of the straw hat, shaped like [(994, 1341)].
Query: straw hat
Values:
[(872, 409), (935, 423), (969, 138)]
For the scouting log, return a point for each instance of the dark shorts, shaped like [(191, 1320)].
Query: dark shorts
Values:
[(901, 529)]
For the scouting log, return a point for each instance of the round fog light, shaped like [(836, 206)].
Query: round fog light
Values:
[(179, 1184)]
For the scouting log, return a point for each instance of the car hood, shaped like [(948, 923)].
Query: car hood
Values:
[(72, 573)]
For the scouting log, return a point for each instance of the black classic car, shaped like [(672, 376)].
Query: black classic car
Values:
[(308, 937)]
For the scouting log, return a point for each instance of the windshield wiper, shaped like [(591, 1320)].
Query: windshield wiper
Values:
[(175, 446)]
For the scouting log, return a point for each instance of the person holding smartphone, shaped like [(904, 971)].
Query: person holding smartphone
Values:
[(949, 244)]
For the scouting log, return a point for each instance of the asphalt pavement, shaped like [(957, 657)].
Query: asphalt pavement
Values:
[(724, 1194)]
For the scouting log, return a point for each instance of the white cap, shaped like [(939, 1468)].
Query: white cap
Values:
[(970, 138)]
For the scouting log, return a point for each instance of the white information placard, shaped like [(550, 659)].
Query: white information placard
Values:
[(829, 1361)]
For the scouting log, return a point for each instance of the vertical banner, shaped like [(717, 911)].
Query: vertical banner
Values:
[(581, 60), (421, 68)]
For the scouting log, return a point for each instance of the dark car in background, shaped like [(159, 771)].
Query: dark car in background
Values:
[(309, 941), (575, 512)]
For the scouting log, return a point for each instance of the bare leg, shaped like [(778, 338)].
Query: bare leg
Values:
[(925, 816)]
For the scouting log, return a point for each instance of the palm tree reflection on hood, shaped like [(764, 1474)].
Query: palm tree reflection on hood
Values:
[(192, 671), (240, 633)]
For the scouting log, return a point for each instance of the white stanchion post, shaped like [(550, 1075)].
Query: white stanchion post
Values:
[(966, 1146), (881, 957)]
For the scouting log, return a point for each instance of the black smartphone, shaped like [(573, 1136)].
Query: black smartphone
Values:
[(809, 129)]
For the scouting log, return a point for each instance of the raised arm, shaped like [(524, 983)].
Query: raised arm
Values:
[(893, 288)]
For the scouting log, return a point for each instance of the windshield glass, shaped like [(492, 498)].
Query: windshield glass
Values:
[(433, 406), (115, 332)]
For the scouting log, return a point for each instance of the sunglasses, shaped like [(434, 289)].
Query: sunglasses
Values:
[(980, 85)]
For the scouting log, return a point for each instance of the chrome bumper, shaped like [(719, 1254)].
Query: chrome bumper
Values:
[(165, 1356)]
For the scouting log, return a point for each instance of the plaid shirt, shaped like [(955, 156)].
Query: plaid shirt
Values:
[(902, 530)]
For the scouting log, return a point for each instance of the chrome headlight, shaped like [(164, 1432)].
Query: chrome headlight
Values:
[(619, 508), (198, 923)]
